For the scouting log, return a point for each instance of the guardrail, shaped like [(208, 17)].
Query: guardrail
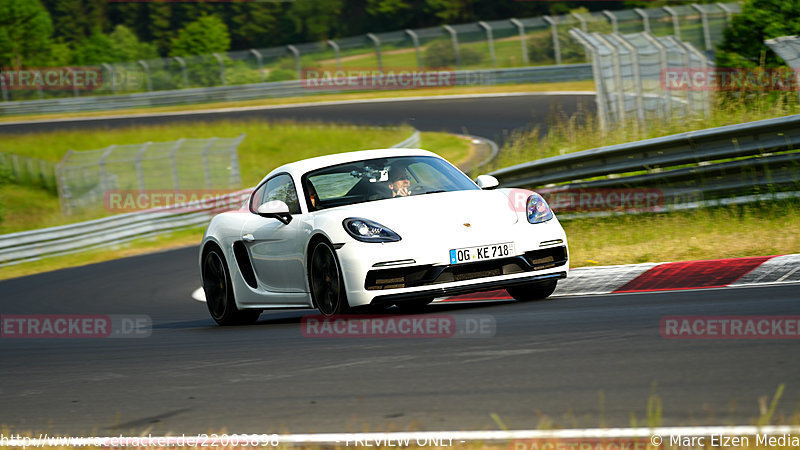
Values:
[(32, 245), (748, 148), (294, 88)]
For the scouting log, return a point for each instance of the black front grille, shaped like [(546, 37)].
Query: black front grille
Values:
[(429, 274)]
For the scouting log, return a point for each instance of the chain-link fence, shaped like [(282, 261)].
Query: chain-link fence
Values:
[(788, 48), (85, 178), (28, 171), (629, 74), (500, 43)]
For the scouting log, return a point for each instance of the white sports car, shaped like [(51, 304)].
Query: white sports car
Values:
[(377, 228)]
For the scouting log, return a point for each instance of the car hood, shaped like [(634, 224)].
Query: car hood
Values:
[(440, 213)]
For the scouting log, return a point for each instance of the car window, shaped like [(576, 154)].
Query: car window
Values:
[(280, 187), (379, 179)]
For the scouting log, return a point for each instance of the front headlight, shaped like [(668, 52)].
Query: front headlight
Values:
[(538, 209), (368, 231)]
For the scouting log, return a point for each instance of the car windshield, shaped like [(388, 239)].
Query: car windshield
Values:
[(379, 179)]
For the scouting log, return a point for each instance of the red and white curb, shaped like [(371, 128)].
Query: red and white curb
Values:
[(667, 276)]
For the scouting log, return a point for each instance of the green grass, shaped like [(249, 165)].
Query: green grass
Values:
[(267, 145), (582, 131), (723, 232), (455, 147)]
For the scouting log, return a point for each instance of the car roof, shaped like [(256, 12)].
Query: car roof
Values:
[(299, 168)]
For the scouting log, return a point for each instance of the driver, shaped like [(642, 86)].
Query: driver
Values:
[(398, 181)]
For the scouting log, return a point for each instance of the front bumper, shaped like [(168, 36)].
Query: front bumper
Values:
[(467, 289), (424, 270)]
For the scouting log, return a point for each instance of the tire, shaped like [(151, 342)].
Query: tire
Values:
[(219, 292), (532, 292), (325, 280)]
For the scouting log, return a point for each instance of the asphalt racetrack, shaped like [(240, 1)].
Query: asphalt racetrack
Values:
[(550, 358), (570, 361), (491, 117)]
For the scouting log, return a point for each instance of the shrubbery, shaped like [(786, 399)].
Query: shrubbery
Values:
[(441, 54)]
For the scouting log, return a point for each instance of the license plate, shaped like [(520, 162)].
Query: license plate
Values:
[(481, 253)]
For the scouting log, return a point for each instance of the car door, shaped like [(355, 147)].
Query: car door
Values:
[(274, 247)]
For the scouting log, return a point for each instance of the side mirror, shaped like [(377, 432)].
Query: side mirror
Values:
[(275, 209), (487, 182)]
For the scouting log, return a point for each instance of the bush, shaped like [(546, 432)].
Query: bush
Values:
[(441, 54), (281, 75)]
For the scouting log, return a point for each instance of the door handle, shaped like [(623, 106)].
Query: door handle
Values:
[(248, 237)]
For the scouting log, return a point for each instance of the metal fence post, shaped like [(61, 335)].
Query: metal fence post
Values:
[(377, 43), (454, 38), (728, 12), (104, 185), (676, 26), (637, 77), (489, 38), (662, 55), (260, 62), (110, 71), (138, 164), (221, 67), (206, 168), (296, 54), (3, 87), (146, 68), (235, 179), (581, 20), (335, 48), (706, 31), (617, 75), (39, 90), (415, 41), (602, 106), (61, 185), (613, 19), (691, 50), (556, 46), (175, 182), (645, 19), (74, 86), (687, 63), (523, 44), (184, 76)]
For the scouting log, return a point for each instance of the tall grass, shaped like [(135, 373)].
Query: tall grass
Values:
[(581, 131)]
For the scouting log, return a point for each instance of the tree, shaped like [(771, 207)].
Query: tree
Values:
[(95, 49), (127, 46), (25, 31), (316, 20), (76, 20), (743, 44), (206, 35)]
